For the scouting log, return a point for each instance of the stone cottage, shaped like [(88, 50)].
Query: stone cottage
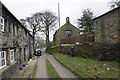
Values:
[(15, 43), (107, 27), (67, 30)]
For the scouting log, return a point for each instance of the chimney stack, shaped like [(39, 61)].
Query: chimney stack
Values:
[(67, 20)]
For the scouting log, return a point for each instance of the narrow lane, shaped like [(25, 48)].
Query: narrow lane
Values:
[(62, 71), (41, 67)]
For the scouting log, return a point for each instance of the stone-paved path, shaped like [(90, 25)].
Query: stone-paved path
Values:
[(42, 72), (27, 71)]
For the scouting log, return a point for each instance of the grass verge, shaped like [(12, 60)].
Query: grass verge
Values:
[(51, 71), (89, 68), (34, 72)]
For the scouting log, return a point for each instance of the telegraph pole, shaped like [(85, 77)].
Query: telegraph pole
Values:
[(59, 25)]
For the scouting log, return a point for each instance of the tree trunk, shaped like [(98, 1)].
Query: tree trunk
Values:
[(47, 36), (33, 42), (47, 39), (33, 39)]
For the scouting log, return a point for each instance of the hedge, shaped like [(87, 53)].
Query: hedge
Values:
[(101, 52)]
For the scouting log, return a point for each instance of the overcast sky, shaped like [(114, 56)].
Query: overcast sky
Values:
[(68, 8)]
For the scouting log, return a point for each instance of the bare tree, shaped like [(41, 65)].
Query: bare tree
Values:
[(48, 22), (34, 24), (23, 22), (114, 4), (40, 41), (43, 21)]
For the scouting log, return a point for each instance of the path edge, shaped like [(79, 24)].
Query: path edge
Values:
[(65, 66), (30, 76)]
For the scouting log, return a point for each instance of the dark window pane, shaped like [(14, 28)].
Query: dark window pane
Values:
[(2, 54), (11, 58), (1, 21), (2, 27), (3, 62), (9, 28), (13, 29), (68, 33)]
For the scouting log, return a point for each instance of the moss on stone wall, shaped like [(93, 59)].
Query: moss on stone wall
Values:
[(100, 52)]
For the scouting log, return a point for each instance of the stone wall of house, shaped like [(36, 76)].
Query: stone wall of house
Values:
[(107, 27), (0, 26), (22, 38), (9, 38), (0, 37), (14, 37), (66, 26), (0, 8)]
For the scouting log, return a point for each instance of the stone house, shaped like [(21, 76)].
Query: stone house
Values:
[(15, 43), (107, 27), (67, 30)]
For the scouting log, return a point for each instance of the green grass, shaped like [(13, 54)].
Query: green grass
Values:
[(42, 47), (34, 72), (51, 71), (88, 68)]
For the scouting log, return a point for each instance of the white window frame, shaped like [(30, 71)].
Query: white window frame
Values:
[(2, 59), (11, 55), (2, 24), (68, 33)]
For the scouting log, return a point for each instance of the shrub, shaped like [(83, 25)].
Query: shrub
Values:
[(31, 54), (65, 49), (100, 52)]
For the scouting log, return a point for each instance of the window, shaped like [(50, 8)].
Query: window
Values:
[(20, 30), (11, 56), (9, 28), (2, 23), (68, 33), (5, 25), (13, 29), (2, 59)]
